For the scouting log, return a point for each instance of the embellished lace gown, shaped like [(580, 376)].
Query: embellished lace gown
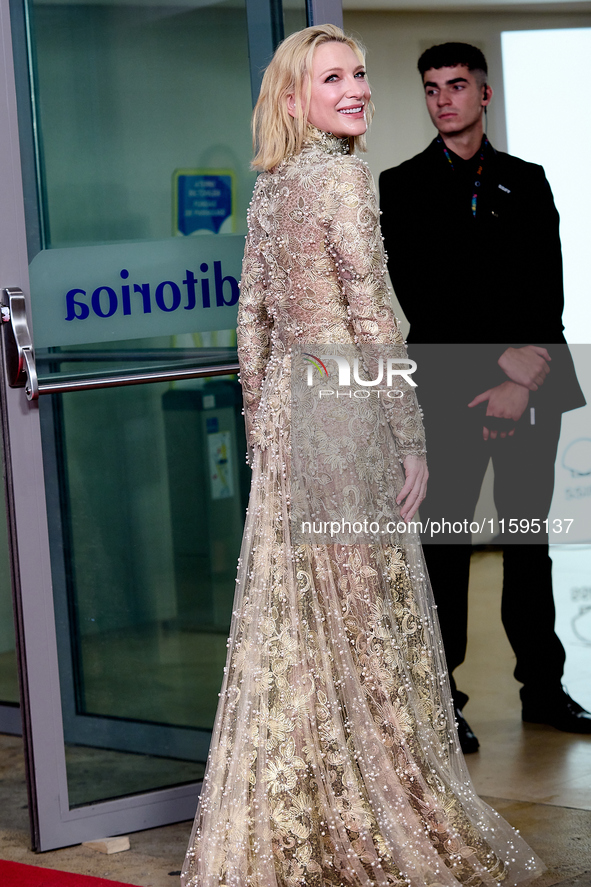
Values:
[(334, 759)]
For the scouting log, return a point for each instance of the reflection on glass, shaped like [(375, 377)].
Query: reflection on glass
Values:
[(97, 774), (128, 95), (154, 540), (153, 488), (155, 355)]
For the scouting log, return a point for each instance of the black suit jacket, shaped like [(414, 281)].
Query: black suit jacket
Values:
[(487, 281)]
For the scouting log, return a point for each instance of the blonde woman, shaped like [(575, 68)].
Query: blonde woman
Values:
[(334, 757)]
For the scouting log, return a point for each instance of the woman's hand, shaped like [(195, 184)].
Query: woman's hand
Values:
[(415, 486)]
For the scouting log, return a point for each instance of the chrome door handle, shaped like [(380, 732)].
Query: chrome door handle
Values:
[(19, 358), (17, 343)]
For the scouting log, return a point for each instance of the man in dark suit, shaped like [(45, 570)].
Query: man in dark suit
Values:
[(475, 259)]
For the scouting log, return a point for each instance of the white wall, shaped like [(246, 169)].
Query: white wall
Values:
[(394, 42), (558, 95)]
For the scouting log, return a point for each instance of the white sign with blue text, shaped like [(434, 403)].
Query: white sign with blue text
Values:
[(123, 291)]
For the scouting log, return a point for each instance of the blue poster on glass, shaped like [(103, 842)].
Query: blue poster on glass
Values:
[(203, 201)]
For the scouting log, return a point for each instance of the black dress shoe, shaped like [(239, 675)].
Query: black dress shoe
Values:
[(468, 739), (561, 712)]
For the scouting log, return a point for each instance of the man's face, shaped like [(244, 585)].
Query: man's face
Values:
[(455, 99)]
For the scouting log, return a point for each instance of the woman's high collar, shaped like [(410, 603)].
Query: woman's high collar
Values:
[(325, 141)]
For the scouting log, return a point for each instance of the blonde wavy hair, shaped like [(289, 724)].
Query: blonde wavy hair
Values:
[(276, 134)]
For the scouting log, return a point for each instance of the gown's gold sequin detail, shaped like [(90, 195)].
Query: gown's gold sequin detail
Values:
[(334, 760)]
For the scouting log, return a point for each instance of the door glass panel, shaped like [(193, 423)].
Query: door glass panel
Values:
[(150, 507), (131, 98), (143, 142)]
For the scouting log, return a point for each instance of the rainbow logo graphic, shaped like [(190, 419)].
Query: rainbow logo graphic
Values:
[(315, 362)]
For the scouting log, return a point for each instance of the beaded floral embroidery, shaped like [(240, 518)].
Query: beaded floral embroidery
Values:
[(334, 759)]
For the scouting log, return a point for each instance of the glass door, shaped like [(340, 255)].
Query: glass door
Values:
[(124, 150)]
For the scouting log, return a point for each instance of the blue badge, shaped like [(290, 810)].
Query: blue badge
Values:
[(204, 200)]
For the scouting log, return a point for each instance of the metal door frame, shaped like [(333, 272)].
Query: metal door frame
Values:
[(53, 823)]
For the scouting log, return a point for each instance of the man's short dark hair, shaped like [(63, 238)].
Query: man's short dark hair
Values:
[(448, 55)]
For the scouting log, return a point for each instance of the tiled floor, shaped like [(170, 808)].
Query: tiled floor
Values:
[(537, 777)]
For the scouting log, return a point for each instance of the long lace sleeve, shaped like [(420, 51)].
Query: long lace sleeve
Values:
[(355, 243), (254, 331)]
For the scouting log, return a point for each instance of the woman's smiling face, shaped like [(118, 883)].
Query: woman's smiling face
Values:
[(340, 92)]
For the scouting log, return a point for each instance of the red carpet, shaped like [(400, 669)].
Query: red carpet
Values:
[(13, 874)]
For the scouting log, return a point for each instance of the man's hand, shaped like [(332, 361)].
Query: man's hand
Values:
[(526, 366), (415, 486), (505, 401)]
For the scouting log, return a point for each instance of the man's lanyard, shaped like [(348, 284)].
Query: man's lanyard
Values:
[(478, 171)]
